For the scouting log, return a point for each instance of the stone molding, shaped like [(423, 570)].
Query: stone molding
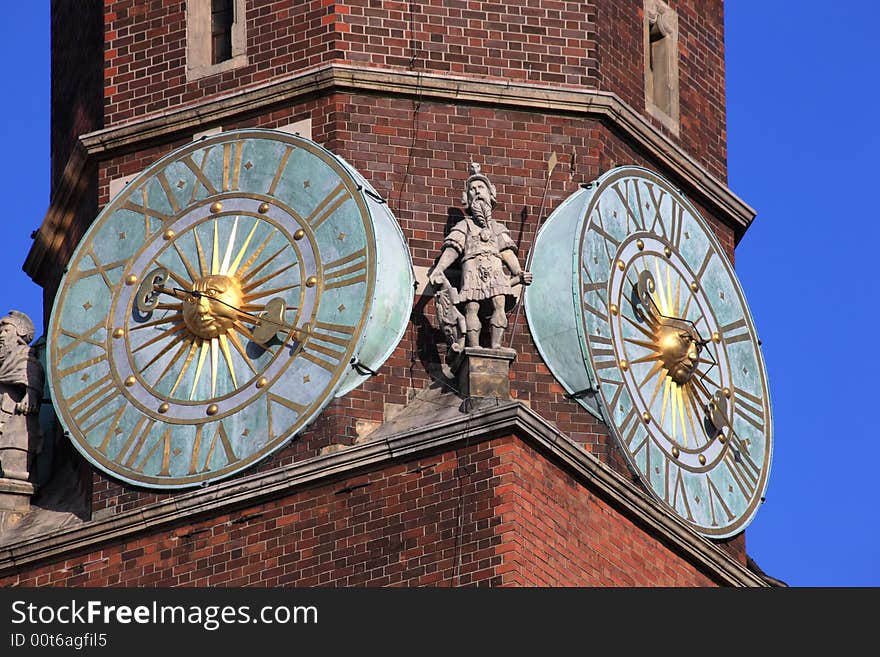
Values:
[(510, 418), (330, 78)]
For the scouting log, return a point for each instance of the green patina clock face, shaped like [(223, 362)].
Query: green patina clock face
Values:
[(665, 343), (674, 350), (212, 309)]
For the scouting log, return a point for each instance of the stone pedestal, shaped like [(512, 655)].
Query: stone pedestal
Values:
[(15, 501), (484, 373)]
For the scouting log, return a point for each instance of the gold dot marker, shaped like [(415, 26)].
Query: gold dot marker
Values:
[(163, 407), (263, 209), (721, 437), (216, 206), (299, 234), (131, 279), (716, 337), (646, 417), (311, 281), (667, 251), (702, 460), (261, 382), (726, 392), (118, 333), (129, 381), (168, 235), (694, 286), (624, 365), (640, 244), (675, 452), (613, 308), (620, 265), (212, 409)]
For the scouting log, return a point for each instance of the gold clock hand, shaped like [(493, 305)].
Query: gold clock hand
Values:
[(266, 325), (271, 315), (270, 321)]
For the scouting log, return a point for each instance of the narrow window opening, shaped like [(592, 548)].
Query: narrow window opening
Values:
[(222, 18), (658, 63)]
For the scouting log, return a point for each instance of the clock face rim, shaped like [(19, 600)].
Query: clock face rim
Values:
[(352, 190), (599, 188)]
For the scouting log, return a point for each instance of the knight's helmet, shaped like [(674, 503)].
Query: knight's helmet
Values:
[(477, 174), (24, 327)]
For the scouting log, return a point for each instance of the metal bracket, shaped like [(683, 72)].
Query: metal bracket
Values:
[(360, 368)]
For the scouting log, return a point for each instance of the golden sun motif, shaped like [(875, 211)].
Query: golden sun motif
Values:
[(674, 347), (221, 297)]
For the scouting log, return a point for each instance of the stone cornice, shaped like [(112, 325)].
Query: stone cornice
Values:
[(601, 105), (512, 418)]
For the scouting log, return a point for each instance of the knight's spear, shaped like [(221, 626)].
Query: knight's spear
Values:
[(551, 164)]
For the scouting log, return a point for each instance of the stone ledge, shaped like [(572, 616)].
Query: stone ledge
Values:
[(331, 78), (509, 418)]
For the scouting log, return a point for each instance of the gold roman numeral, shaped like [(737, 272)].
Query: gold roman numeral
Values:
[(232, 152), (279, 171), (587, 288), (744, 472), (617, 386), (199, 172), (749, 408), (600, 287), (169, 193), (144, 209), (136, 457), (347, 270), (326, 349), (706, 260), (99, 269), (628, 426), (299, 409), (220, 436), (78, 339), (328, 206), (637, 220), (737, 331), (675, 216), (679, 496), (748, 412), (92, 398), (601, 347), (715, 496)]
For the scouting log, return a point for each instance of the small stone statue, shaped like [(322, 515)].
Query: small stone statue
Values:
[(484, 247), (21, 391)]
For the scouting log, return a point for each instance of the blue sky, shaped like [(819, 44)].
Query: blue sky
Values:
[(802, 89)]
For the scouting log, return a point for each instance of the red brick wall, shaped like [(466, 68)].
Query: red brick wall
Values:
[(493, 513), (596, 44), (620, 57), (145, 52)]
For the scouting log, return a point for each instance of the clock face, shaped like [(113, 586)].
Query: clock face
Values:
[(213, 308), (670, 347)]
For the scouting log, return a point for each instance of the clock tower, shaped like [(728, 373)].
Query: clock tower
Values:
[(252, 352)]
